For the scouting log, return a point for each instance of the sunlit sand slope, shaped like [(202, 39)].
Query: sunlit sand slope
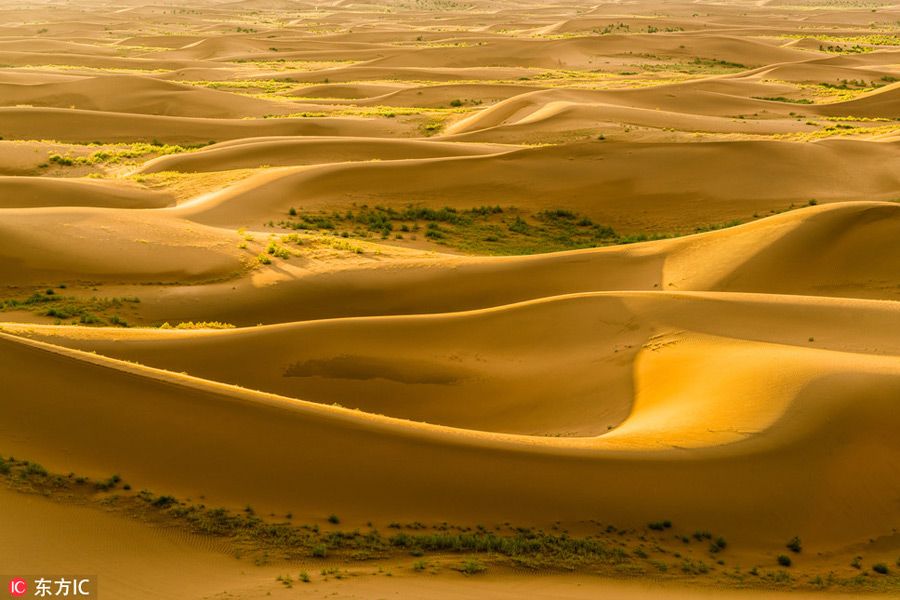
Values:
[(719, 422)]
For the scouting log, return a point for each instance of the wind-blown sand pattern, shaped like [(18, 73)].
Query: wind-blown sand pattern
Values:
[(451, 299)]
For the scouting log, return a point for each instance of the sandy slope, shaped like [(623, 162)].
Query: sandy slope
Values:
[(33, 192), (280, 152), (116, 552), (836, 250), (579, 53), (130, 94), (87, 126), (117, 245), (743, 381), (813, 423), (713, 182), (194, 569)]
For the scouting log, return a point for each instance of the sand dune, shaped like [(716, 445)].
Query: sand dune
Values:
[(23, 77), (680, 100), (87, 126), (547, 178), (585, 118), (53, 46), (124, 245), (364, 72), (878, 104), (94, 61), (580, 52), (426, 373), (817, 71), (789, 449), (821, 251), (765, 257), (34, 192), (354, 91), (130, 94), (278, 152), (384, 374), (442, 95)]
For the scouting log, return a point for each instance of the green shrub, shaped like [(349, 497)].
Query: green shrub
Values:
[(795, 545), (32, 468), (61, 160), (784, 561), (880, 568), (471, 566)]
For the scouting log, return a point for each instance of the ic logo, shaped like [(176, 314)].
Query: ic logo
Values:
[(18, 587)]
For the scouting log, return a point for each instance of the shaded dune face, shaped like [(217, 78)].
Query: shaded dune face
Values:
[(737, 409), (575, 268)]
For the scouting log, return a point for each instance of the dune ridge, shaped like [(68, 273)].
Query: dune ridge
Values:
[(449, 299)]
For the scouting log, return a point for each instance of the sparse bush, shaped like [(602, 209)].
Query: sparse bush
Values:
[(784, 560), (116, 320), (164, 501), (61, 160), (108, 483), (472, 565), (795, 545), (332, 518)]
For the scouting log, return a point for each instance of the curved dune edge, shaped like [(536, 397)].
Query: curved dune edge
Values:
[(842, 249), (259, 437), (74, 125), (39, 192), (749, 176), (286, 152), (576, 381), (674, 405)]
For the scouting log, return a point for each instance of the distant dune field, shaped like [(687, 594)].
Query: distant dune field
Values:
[(451, 299)]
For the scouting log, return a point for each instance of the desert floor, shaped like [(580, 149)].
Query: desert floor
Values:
[(452, 299)]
